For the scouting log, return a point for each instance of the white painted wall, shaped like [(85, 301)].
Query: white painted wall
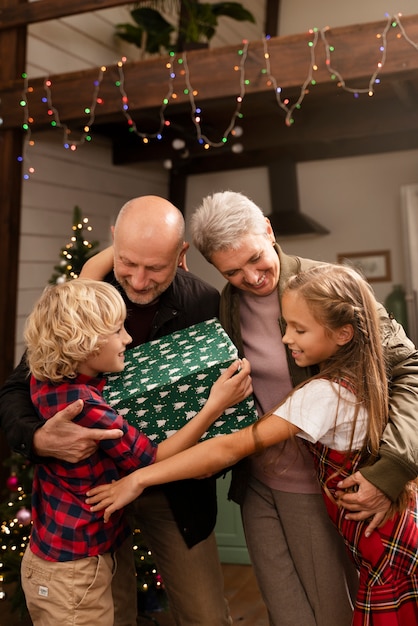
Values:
[(76, 43), (356, 198), (298, 16), (83, 41)]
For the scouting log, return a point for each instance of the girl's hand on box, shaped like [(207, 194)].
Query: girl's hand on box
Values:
[(114, 496)]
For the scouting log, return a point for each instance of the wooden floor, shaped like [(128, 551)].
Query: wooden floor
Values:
[(242, 593)]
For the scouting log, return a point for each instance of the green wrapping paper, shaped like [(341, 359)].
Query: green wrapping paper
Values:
[(166, 382)]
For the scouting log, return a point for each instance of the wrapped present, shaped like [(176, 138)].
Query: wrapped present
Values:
[(166, 382)]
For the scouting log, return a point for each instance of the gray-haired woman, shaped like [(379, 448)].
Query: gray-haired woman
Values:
[(302, 569)]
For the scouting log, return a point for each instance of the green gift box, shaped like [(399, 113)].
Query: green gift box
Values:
[(166, 382)]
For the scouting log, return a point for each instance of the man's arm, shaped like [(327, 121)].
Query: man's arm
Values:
[(398, 461), (36, 439), (380, 484), (18, 418)]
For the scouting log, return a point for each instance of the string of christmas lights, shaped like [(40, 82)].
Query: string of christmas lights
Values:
[(373, 78), (196, 112), (271, 80), (69, 142), (120, 84), (158, 134), (392, 22), (27, 121)]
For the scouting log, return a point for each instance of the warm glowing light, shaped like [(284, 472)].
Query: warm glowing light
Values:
[(178, 144)]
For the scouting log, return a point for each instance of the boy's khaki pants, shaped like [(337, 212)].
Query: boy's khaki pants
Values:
[(72, 592)]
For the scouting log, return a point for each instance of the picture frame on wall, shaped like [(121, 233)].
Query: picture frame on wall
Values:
[(374, 266)]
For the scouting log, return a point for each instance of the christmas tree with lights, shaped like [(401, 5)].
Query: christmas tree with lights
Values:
[(15, 520), (76, 252)]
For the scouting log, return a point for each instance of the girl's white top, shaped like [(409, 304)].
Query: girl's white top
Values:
[(324, 411)]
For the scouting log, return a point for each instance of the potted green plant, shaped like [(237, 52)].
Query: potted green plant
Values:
[(151, 32), (189, 22)]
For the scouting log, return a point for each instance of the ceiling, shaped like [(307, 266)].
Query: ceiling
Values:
[(329, 124), (336, 116), (331, 121)]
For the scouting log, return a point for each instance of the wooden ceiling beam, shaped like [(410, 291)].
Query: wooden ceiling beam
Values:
[(44, 10), (364, 127), (146, 82), (271, 25), (406, 92)]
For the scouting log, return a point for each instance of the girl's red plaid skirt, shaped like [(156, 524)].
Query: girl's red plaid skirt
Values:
[(387, 561)]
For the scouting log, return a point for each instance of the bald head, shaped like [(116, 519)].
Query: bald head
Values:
[(148, 239), (151, 216)]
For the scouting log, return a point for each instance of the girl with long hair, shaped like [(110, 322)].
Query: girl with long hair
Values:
[(332, 321)]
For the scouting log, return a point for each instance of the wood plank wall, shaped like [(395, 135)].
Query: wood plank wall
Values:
[(83, 41)]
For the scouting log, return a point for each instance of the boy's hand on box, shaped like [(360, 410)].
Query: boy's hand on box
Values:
[(233, 386)]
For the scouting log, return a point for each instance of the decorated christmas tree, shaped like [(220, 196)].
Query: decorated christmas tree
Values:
[(151, 594), (15, 520), (76, 252)]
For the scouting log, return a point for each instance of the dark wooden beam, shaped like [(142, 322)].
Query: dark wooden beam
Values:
[(328, 125), (177, 188), (220, 162), (355, 56), (44, 10), (271, 25), (12, 48)]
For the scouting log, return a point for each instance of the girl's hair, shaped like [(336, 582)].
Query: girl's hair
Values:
[(69, 323), (337, 295), (222, 220)]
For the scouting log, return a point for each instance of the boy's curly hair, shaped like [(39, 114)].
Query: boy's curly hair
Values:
[(69, 323)]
